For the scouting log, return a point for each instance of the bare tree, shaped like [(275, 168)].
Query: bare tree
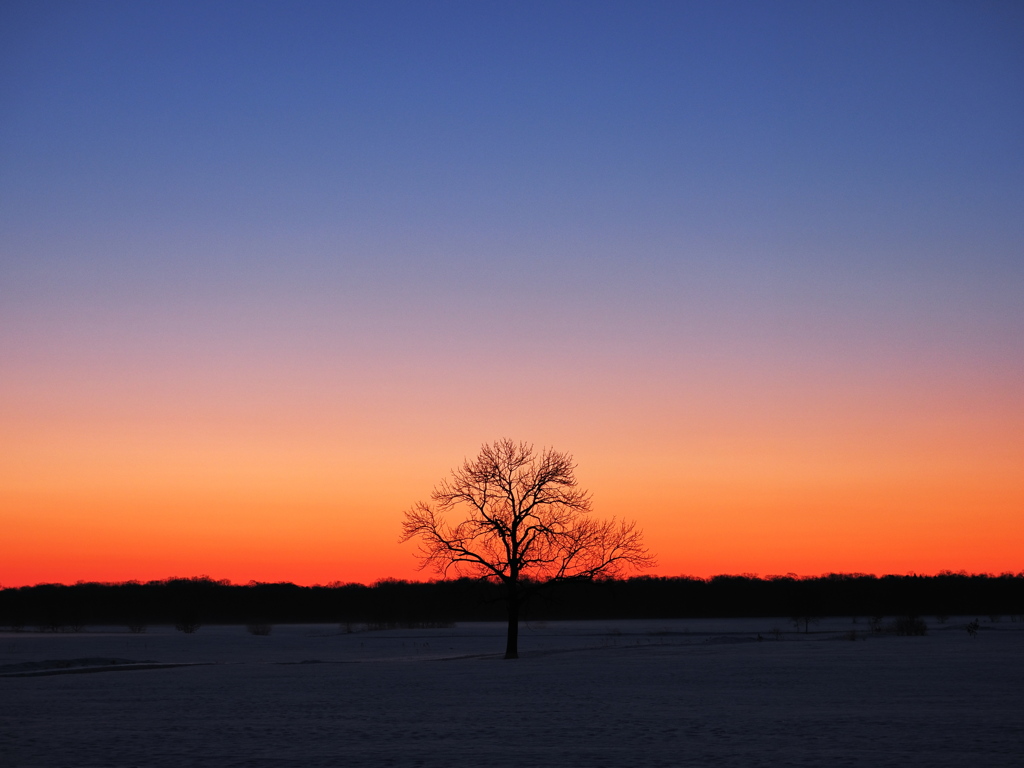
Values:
[(525, 520)]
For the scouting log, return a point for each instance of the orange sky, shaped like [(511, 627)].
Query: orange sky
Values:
[(311, 490)]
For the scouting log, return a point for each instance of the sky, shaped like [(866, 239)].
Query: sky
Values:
[(270, 270)]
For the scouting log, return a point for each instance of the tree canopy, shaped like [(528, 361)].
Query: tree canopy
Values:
[(521, 518)]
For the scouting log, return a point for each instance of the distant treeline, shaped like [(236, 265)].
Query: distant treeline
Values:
[(202, 600)]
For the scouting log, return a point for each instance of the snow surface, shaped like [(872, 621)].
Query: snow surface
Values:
[(643, 693)]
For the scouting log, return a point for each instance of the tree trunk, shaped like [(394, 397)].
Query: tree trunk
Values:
[(512, 641)]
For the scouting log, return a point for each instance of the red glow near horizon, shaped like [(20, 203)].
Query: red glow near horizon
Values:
[(314, 517)]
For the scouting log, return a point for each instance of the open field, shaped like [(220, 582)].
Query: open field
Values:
[(650, 693)]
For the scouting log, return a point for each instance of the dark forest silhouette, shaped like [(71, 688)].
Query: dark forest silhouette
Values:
[(392, 603)]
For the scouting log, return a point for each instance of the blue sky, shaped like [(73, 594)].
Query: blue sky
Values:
[(750, 121), (798, 157)]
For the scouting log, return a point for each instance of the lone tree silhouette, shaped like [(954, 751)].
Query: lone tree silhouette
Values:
[(525, 521)]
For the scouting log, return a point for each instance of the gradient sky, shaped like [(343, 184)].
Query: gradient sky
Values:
[(269, 270)]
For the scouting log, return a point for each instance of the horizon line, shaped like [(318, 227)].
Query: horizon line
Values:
[(204, 578)]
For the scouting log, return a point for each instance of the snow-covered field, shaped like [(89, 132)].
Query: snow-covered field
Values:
[(644, 693)]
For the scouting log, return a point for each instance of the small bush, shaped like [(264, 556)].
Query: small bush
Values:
[(376, 626), (805, 621), (136, 627), (261, 630), (188, 626), (910, 626), (440, 624)]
